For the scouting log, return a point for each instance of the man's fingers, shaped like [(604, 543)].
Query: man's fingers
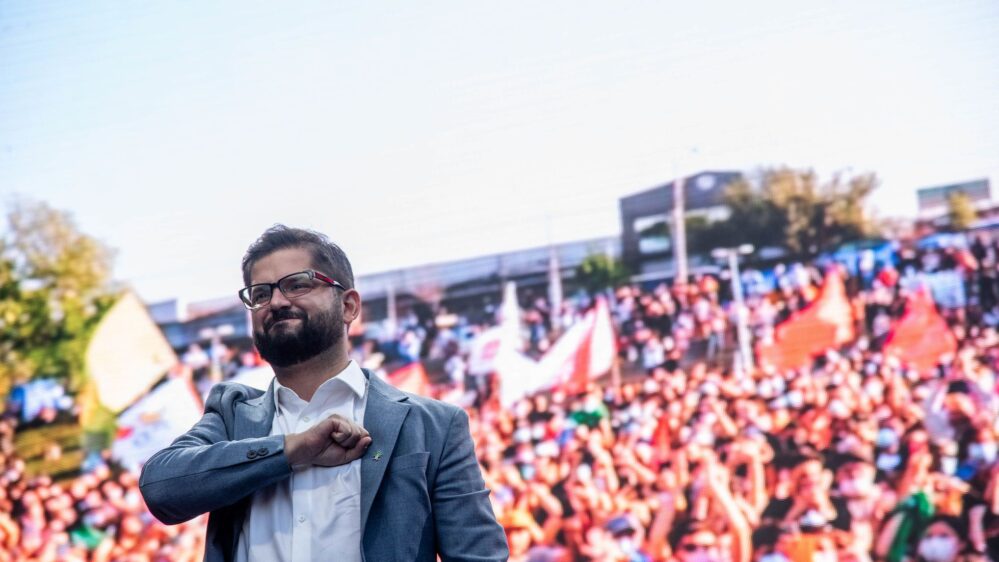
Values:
[(357, 451)]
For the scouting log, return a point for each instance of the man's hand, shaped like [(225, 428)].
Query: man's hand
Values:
[(331, 442)]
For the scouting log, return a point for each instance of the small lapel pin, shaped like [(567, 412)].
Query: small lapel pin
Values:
[(378, 456)]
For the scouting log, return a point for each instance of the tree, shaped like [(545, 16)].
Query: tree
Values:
[(961, 211), (794, 210), (599, 272), (55, 283)]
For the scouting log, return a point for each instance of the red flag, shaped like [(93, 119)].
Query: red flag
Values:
[(826, 323), (921, 336), (411, 378), (585, 351)]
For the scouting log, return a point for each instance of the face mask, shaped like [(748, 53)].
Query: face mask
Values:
[(705, 438), (627, 545), (886, 438), (774, 557), (888, 462), (812, 519), (838, 409), (983, 451), (948, 465), (824, 556), (528, 471), (795, 399), (854, 488), (938, 549), (874, 390)]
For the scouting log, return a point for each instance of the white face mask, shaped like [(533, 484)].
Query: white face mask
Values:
[(774, 557), (938, 549), (812, 518), (855, 488), (948, 465), (982, 451), (824, 556), (886, 438), (627, 545), (888, 462)]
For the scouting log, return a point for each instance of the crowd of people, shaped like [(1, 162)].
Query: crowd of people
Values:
[(96, 517), (858, 456)]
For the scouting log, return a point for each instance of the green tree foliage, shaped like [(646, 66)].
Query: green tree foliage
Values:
[(794, 210), (599, 272), (54, 287), (960, 211)]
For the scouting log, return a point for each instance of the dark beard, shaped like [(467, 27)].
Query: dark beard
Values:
[(316, 334)]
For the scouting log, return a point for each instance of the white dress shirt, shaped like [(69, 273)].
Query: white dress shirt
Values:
[(315, 512)]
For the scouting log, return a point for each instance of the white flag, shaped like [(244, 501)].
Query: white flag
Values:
[(155, 421)]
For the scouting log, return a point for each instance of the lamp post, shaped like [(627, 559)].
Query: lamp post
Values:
[(742, 320)]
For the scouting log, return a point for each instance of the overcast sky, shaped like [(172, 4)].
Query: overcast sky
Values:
[(414, 132)]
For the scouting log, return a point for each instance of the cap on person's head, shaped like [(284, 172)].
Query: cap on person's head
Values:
[(546, 554), (620, 525)]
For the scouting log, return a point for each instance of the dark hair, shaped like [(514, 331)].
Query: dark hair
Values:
[(954, 522), (327, 257), (684, 527)]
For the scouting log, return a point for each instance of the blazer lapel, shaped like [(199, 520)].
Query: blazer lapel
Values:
[(383, 416), (253, 418)]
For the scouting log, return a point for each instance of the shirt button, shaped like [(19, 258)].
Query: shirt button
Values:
[(305, 418), (301, 519)]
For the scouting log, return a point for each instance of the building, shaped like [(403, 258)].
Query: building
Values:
[(185, 323), (473, 287), (934, 203), (647, 222)]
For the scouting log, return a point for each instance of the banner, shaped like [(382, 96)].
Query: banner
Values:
[(127, 353), (155, 421)]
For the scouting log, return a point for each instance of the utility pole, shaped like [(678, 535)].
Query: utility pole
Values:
[(554, 279), (741, 314), (679, 231)]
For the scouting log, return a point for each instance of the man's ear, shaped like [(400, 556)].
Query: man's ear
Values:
[(351, 305)]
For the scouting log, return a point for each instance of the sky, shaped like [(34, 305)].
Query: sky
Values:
[(417, 132)]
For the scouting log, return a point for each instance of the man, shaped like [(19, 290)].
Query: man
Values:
[(291, 474)]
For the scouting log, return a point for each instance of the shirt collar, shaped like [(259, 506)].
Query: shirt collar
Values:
[(352, 376)]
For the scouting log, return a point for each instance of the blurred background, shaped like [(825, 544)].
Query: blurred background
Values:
[(714, 281)]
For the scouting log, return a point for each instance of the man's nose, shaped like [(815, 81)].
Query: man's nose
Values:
[(278, 300)]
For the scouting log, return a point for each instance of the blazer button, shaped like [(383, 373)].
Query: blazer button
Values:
[(262, 452), (251, 454)]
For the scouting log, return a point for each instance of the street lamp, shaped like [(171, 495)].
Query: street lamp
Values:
[(741, 316)]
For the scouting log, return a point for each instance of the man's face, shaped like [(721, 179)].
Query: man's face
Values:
[(290, 331)]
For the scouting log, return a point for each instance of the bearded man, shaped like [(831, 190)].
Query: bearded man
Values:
[(330, 463)]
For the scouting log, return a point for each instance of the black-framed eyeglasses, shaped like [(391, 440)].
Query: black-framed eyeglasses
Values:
[(292, 286)]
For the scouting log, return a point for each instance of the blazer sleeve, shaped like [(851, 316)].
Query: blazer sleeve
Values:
[(465, 525), (203, 470)]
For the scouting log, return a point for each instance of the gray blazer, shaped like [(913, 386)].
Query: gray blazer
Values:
[(422, 497)]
